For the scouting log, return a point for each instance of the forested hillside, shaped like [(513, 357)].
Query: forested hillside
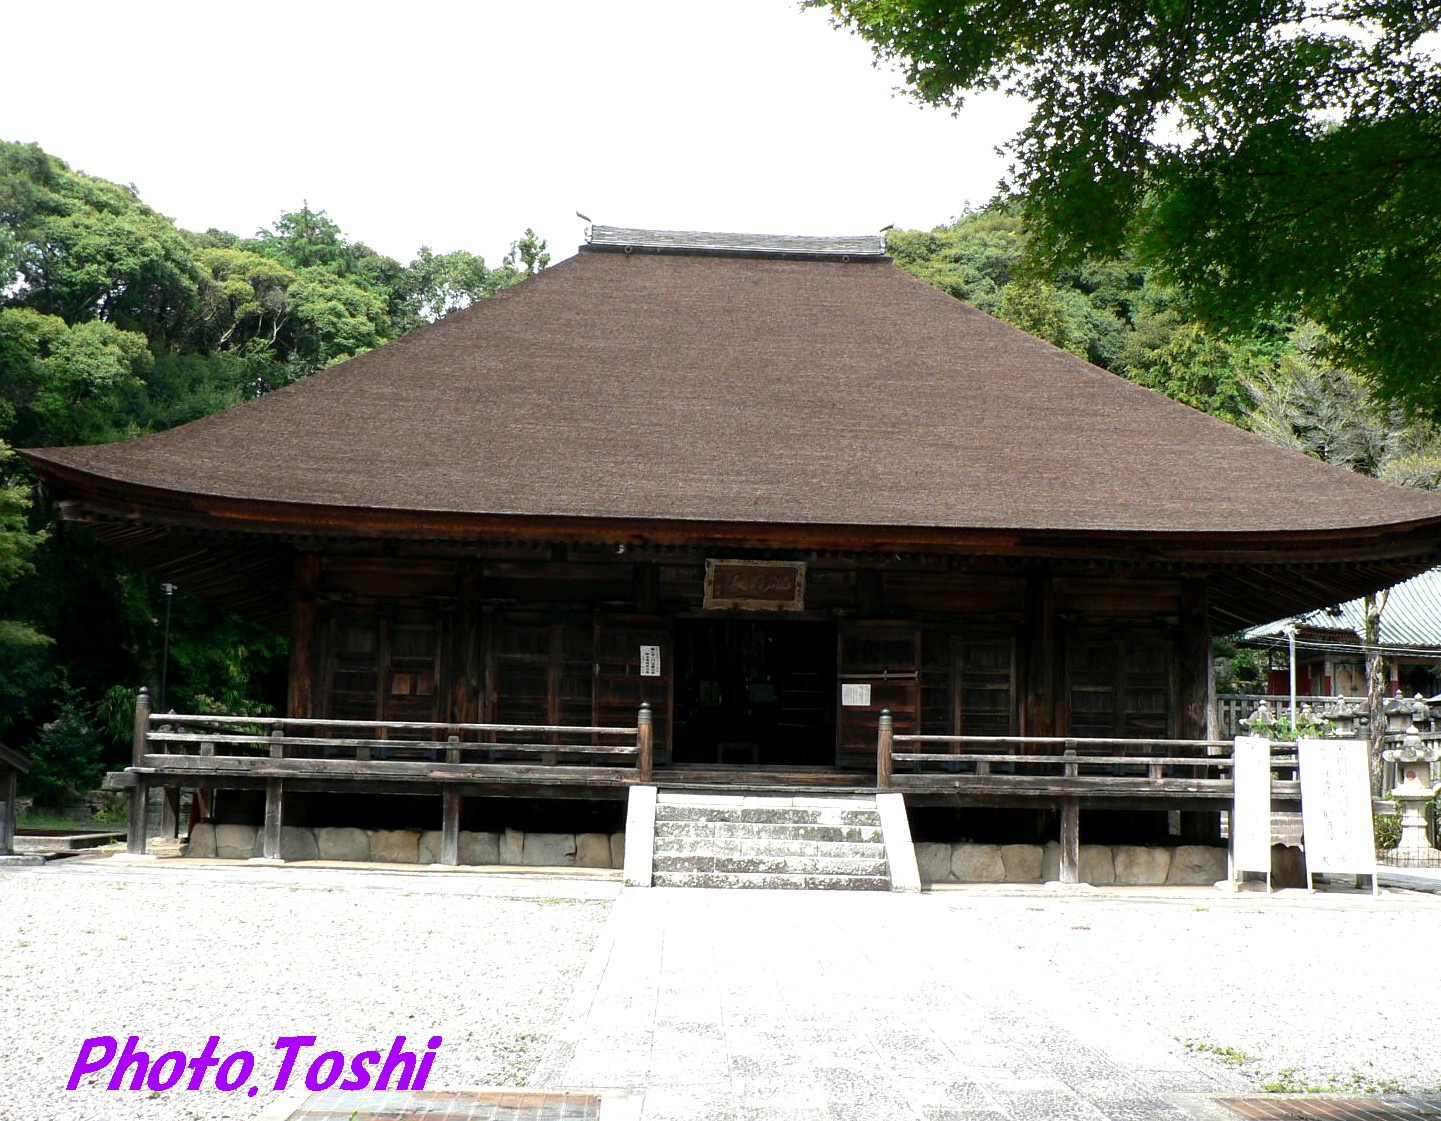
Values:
[(115, 323)]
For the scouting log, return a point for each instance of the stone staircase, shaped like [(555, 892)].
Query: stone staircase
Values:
[(775, 841)]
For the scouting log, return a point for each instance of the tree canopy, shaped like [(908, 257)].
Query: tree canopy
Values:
[(1275, 158), (116, 323)]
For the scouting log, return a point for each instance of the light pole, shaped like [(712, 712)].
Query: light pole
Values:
[(1290, 629), (169, 590)]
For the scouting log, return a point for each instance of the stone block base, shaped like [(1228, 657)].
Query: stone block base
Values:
[(964, 863), (410, 846)]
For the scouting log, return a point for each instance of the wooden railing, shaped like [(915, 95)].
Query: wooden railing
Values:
[(1064, 765), (163, 739), (1232, 708), (170, 748)]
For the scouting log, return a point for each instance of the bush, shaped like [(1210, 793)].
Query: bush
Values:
[(65, 756)]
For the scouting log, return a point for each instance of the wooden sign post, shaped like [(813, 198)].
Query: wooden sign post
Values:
[(1336, 809)]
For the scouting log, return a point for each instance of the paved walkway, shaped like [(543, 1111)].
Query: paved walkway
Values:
[(808, 1006)]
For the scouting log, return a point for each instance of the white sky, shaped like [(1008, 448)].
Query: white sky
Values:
[(457, 124)]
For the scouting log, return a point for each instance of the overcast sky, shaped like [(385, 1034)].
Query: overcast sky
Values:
[(456, 125)]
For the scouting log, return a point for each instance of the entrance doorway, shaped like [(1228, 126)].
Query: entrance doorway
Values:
[(755, 692)]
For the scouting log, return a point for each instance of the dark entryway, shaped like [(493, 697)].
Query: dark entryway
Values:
[(751, 691)]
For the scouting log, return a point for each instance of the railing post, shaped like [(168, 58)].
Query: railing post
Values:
[(274, 802), (885, 740), (450, 809), (139, 793), (644, 743), (1070, 826), (142, 728)]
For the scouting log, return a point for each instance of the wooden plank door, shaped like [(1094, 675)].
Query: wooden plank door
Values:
[(881, 663), (620, 686)]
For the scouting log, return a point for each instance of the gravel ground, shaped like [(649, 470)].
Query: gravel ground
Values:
[(1296, 992), (355, 958), (1287, 993)]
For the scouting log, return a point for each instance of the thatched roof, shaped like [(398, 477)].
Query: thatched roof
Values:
[(668, 387)]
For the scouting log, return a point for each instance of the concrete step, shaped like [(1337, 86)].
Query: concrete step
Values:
[(722, 830), (762, 846), (771, 880), (707, 840), (764, 815), (818, 865)]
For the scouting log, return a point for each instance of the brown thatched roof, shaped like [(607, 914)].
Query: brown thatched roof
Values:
[(729, 389)]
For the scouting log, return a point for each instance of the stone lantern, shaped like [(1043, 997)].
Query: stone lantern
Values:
[(1260, 722), (1345, 717), (1413, 758)]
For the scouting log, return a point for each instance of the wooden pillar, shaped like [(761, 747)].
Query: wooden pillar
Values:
[(139, 793), (301, 701), (1038, 708), (1195, 714), (170, 811), (885, 740), (646, 588), (466, 705), (8, 777), (1194, 642)]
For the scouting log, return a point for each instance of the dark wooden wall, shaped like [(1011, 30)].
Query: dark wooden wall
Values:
[(549, 636)]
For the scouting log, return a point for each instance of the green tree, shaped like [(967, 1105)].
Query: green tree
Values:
[(85, 248), (23, 649), (528, 254), (68, 384), (1277, 159)]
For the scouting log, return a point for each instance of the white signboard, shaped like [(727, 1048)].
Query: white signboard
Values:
[(1336, 807), (1251, 812), (650, 661), (856, 696)]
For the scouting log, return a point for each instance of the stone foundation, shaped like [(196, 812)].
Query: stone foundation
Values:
[(412, 846), (943, 863)]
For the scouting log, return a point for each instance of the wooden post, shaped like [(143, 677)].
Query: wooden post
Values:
[(1070, 828), (644, 739), (139, 793), (170, 811), (1038, 701), (274, 812), (142, 728), (7, 809), (450, 810), (302, 636), (885, 739)]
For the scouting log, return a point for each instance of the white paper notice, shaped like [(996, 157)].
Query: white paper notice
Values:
[(856, 696), (1336, 807), (650, 661)]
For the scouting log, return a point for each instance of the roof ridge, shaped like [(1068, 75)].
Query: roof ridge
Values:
[(628, 239)]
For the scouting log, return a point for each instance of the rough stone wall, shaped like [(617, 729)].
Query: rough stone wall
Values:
[(943, 863), (412, 846)]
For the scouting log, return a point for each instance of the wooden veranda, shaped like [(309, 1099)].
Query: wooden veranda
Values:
[(207, 753)]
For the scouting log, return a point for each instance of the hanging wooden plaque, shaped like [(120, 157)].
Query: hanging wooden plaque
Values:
[(755, 585)]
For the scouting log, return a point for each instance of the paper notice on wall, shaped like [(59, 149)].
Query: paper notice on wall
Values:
[(1251, 814), (650, 661), (1336, 807), (856, 696)]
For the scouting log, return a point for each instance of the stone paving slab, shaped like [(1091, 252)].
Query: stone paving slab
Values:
[(770, 1005)]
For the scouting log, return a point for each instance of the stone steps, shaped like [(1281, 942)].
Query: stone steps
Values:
[(744, 841)]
